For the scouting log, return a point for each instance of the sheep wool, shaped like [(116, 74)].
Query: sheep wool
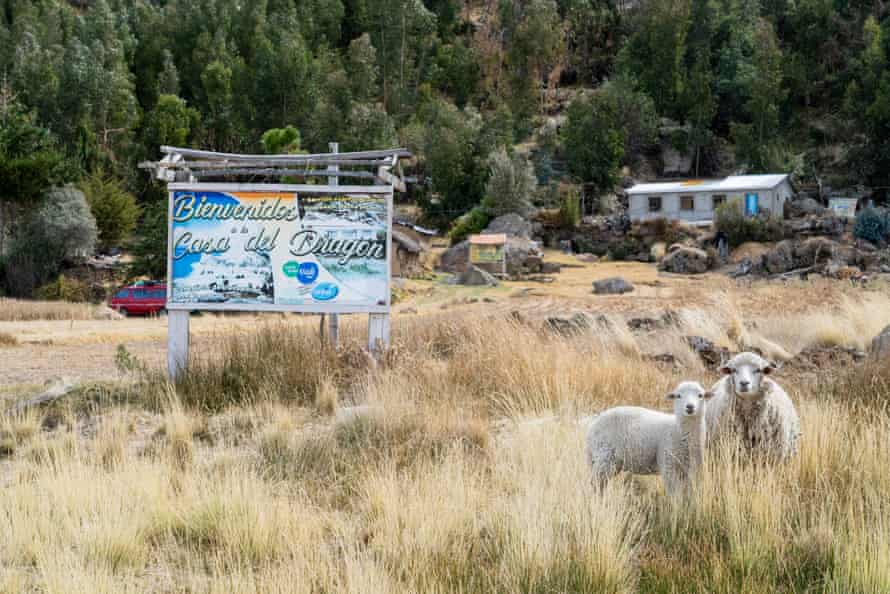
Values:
[(754, 407), (644, 441)]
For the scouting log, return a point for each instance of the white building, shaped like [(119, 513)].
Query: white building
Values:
[(696, 200)]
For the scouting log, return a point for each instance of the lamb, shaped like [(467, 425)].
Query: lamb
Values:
[(644, 441), (754, 407)]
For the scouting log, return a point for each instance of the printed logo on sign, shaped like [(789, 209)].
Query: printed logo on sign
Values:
[(325, 292), (308, 273), (291, 269)]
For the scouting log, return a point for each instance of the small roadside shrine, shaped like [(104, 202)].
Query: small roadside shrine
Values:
[(489, 252), (241, 240)]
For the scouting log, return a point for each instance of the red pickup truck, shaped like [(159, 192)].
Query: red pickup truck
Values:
[(140, 298)]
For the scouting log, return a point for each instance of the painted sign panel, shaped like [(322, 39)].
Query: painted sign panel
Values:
[(486, 254), (843, 207), (751, 205), (278, 250)]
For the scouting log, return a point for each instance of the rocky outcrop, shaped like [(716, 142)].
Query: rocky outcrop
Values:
[(456, 258), (804, 206), (612, 286), (476, 277), (880, 345), (829, 225), (710, 354), (817, 252), (523, 256), (512, 225), (686, 260), (675, 161)]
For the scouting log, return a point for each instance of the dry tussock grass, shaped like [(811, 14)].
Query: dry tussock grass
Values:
[(26, 310), (461, 472)]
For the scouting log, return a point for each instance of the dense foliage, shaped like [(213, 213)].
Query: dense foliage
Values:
[(511, 183), (872, 225), (739, 228), (97, 86)]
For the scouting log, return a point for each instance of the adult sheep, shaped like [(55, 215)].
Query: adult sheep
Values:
[(751, 405), (644, 441)]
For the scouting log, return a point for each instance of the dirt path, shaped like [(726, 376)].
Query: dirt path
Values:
[(35, 364)]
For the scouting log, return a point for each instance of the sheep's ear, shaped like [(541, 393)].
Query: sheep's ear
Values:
[(709, 395), (770, 367), (671, 396), (726, 370)]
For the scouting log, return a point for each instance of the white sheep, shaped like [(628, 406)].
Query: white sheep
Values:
[(644, 441), (754, 407)]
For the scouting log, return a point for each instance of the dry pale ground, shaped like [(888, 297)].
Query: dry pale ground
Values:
[(84, 349), (454, 464)]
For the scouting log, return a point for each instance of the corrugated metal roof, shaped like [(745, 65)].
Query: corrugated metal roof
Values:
[(489, 239), (733, 183)]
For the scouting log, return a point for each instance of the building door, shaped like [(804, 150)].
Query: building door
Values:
[(751, 204)]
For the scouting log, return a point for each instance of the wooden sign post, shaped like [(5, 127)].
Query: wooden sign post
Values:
[(307, 248)]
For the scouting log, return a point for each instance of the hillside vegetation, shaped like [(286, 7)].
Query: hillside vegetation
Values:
[(90, 88)]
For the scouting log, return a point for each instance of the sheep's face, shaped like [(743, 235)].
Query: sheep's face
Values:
[(746, 372), (689, 399)]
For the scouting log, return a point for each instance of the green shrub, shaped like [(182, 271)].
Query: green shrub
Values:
[(61, 231), (511, 184), (570, 210), (662, 229), (872, 225), (626, 249), (739, 228), (114, 209), (474, 221), (64, 289)]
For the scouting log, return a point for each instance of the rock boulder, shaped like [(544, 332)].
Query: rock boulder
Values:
[(476, 277), (880, 345), (685, 260), (456, 258), (512, 225), (612, 286)]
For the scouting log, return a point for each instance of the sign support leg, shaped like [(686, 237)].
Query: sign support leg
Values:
[(378, 332), (177, 343), (334, 320), (334, 330)]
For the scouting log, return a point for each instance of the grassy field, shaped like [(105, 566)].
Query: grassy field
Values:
[(455, 464)]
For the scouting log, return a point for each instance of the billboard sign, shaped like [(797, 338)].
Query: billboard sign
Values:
[(278, 248), (843, 207), (489, 251)]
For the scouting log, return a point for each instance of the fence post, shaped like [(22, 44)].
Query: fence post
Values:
[(378, 332), (177, 343)]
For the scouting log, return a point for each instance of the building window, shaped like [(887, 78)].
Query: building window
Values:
[(687, 203), (718, 201), (654, 203)]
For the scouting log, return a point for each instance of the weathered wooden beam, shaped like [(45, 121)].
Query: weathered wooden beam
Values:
[(185, 152), (276, 163), (205, 173), (388, 178)]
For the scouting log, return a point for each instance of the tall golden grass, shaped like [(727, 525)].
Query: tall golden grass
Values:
[(455, 464), (26, 310)]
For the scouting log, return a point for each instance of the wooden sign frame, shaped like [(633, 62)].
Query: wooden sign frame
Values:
[(189, 165)]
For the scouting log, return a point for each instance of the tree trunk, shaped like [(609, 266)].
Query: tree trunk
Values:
[(2, 227), (402, 63), (383, 48)]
